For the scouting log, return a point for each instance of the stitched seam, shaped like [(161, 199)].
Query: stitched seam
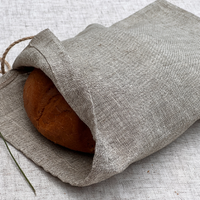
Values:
[(9, 80), (45, 60)]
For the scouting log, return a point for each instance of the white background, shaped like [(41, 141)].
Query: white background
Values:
[(172, 173)]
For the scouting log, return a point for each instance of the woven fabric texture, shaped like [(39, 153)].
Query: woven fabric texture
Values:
[(135, 84)]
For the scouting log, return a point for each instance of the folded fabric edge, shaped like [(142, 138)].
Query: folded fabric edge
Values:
[(165, 2)]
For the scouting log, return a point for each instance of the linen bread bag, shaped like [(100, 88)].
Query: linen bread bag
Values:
[(135, 84)]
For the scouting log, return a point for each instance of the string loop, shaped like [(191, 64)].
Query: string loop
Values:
[(3, 61)]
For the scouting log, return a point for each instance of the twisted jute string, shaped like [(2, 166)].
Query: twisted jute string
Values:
[(4, 62)]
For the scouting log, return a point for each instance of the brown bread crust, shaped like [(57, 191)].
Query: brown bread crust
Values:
[(52, 116)]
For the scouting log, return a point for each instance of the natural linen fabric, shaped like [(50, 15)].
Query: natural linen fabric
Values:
[(135, 84)]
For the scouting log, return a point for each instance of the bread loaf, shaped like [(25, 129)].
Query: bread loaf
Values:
[(52, 116)]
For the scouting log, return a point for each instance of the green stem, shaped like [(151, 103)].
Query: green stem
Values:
[(17, 164)]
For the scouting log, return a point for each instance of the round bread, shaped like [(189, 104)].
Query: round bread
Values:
[(52, 116)]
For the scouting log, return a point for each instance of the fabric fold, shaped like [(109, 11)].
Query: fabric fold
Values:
[(135, 84)]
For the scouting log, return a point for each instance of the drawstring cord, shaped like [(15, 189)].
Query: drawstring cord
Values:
[(4, 62)]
